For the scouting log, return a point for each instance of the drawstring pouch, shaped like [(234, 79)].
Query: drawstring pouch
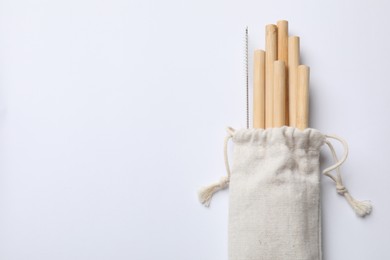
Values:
[(274, 192)]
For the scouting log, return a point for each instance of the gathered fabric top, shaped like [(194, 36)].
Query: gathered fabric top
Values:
[(294, 138)]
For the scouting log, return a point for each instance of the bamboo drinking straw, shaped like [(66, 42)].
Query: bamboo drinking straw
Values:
[(259, 89), (283, 41), (303, 97), (293, 63), (270, 57), (279, 94), (283, 54)]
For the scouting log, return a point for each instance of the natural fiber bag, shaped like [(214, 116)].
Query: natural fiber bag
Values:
[(274, 207)]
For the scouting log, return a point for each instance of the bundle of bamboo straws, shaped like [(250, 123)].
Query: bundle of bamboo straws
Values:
[(280, 83)]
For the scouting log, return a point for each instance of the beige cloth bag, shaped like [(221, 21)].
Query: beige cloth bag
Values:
[(274, 207)]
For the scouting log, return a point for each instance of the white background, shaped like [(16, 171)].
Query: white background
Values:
[(113, 114)]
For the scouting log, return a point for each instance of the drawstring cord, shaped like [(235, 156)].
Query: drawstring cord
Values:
[(206, 194), (362, 208)]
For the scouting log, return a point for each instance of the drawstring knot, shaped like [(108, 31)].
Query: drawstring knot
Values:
[(341, 189), (206, 194), (361, 208), (224, 182)]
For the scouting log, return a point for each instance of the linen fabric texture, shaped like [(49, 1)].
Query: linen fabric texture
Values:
[(274, 208)]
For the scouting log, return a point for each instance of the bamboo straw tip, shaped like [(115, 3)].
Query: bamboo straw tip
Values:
[(303, 68), (279, 63), (282, 22), (259, 51), (270, 27), (293, 38)]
